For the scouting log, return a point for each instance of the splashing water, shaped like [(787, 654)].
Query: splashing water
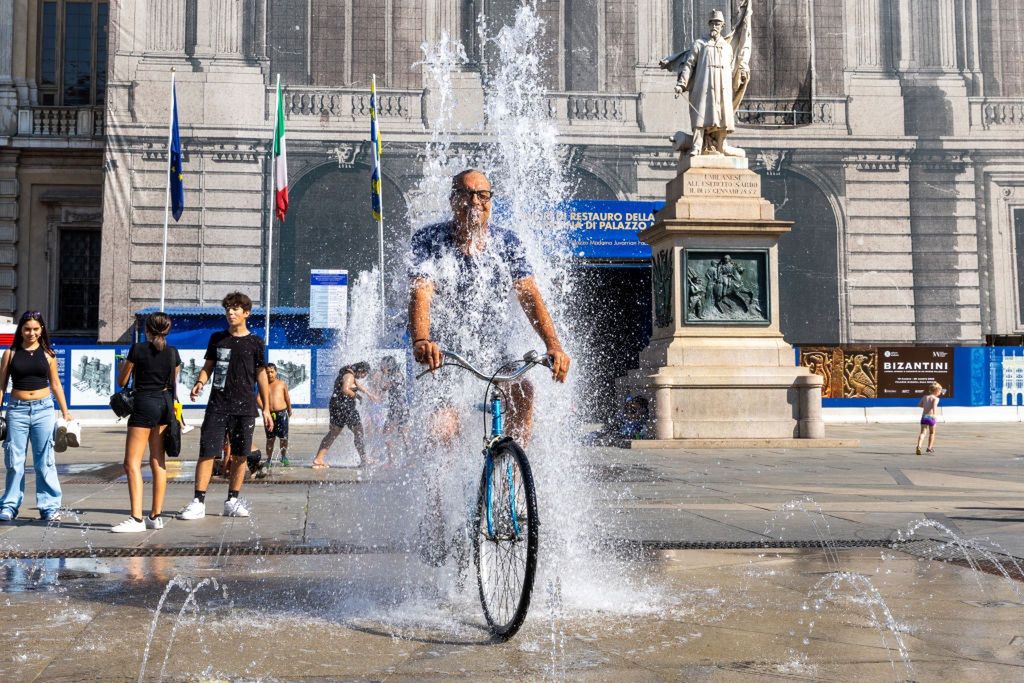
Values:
[(809, 508), (970, 549), (191, 587), (522, 158), (849, 587)]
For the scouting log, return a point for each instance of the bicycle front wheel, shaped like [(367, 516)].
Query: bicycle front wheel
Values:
[(506, 538)]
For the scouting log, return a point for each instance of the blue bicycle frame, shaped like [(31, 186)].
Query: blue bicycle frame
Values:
[(497, 431)]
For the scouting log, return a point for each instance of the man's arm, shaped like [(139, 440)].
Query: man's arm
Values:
[(202, 378), (288, 400), (537, 313), (264, 396), (423, 349)]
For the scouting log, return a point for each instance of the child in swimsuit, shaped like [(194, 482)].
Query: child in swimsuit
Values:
[(929, 403)]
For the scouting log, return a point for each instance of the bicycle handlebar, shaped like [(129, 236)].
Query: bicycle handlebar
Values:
[(530, 358)]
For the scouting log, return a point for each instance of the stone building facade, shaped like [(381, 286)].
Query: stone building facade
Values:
[(890, 131)]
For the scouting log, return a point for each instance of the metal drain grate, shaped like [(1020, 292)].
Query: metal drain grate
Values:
[(226, 550), (766, 544), (965, 556)]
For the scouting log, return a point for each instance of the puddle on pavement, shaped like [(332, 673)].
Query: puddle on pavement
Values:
[(719, 615)]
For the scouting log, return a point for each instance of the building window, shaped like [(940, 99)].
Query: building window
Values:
[(1018, 239), (73, 53), (79, 289)]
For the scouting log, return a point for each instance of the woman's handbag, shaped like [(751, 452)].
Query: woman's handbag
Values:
[(172, 438), (172, 435), (123, 402)]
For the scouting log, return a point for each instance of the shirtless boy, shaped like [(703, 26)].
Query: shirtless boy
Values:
[(281, 410)]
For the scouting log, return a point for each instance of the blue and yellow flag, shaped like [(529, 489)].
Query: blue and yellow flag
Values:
[(375, 199), (174, 157)]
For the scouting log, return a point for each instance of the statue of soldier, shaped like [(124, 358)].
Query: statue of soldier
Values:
[(714, 71)]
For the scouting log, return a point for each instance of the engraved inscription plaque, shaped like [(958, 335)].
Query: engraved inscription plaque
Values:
[(716, 183), (727, 287)]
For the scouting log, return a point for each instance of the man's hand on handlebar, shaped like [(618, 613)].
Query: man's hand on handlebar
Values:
[(428, 353), (559, 363)]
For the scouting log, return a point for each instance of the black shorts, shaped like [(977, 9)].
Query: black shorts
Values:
[(343, 412), (237, 429), (151, 408), (280, 425)]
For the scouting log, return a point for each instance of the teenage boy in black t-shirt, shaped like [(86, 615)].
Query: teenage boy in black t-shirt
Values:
[(236, 362)]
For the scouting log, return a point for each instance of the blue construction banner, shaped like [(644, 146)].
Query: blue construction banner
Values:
[(608, 229), (894, 376)]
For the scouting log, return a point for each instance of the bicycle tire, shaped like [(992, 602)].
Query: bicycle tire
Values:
[(505, 613)]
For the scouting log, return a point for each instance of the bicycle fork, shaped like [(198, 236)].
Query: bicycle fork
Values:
[(497, 431)]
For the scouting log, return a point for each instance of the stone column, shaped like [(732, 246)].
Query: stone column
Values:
[(8, 230), (872, 85), (658, 107), (444, 18), (935, 93), (8, 93), (944, 238), (219, 29), (165, 27)]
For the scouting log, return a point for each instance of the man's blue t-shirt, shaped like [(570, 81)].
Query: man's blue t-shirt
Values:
[(470, 310)]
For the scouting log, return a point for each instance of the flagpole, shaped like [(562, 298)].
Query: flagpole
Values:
[(273, 199), (380, 215), (167, 195)]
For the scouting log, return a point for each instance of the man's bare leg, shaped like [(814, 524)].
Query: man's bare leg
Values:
[(204, 471), (520, 412), (270, 449)]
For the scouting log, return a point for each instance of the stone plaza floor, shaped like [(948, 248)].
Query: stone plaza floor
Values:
[(716, 565)]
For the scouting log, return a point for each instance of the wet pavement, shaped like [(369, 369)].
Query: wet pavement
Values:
[(633, 606)]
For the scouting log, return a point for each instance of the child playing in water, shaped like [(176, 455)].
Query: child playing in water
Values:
[(929, 403)]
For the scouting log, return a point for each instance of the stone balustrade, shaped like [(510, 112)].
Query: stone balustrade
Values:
[(995, 113), (788, 113), (61, 121), (343, 105), (598, 108)]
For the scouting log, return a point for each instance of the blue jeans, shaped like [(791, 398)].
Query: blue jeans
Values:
[(31, 421)]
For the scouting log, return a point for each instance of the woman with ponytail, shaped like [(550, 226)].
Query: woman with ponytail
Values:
[(154, 365)]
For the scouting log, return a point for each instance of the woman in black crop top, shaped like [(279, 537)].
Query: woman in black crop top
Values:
[(154, 366), (31, 365)]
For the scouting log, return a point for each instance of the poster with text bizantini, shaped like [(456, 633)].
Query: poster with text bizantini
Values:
[(295, 368), (91, 376)]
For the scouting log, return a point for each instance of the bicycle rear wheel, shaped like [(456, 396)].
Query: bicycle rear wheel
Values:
[(505, 539)]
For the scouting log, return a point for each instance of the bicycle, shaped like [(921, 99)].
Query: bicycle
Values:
[(505, 525)]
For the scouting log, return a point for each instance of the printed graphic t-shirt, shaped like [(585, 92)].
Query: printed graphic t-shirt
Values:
[(471, 308), (232, 387)]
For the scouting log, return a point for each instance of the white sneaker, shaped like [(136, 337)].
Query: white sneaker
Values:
[(128, 526), (60, 435), (157, 523), (186, 429), (194, 510), (235, 507), (73, 434)]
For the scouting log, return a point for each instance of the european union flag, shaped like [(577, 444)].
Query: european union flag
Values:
[(376, 204), (174, 155)]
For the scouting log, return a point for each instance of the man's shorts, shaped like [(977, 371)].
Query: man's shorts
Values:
[(280, 429), (343, 412), (151, 408), (216, 426)]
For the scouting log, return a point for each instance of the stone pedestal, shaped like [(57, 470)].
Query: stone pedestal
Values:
[(717, 366)]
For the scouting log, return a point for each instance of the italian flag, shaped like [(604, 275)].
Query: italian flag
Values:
[(280, 161)]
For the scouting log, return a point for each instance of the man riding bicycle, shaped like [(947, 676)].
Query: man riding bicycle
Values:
[(468, 269)]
